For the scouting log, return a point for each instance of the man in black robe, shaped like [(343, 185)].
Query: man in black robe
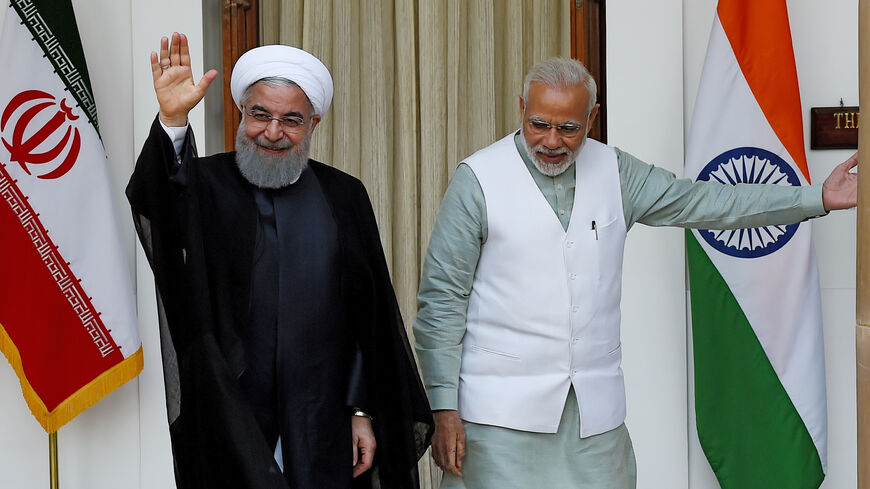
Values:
[(282, 341)]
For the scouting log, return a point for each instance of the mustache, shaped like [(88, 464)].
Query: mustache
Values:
[(550, 152), (274, 146)]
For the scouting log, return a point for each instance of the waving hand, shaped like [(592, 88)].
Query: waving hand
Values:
[(176, 91)]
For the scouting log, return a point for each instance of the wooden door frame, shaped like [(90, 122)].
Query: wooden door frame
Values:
[(588, 46), (240, 32)]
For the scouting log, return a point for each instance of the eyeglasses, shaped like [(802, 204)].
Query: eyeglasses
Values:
[(260, 119), (567, 129)]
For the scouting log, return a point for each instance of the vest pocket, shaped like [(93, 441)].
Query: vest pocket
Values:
[(604, 228), (495, 353), (608, 253)]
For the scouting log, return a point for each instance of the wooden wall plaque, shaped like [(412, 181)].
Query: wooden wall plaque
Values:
[(834, 128)]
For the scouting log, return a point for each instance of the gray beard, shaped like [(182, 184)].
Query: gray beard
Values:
[(545, 167), (270, 171)]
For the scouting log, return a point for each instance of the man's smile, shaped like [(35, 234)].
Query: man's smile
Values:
[(551, 158), (273, 151)]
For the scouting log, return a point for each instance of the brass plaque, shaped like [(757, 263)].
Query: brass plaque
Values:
[(834, 128)]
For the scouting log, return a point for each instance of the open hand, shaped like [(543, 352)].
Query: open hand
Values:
[(173, 80), (840, 190)]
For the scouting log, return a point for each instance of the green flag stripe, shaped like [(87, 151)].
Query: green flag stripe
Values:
[(53, 26), (748, 427)]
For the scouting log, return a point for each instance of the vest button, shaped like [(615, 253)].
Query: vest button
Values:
[(572, 276), (575, 309)]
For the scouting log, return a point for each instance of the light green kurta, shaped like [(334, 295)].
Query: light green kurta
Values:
[(503, 458), (499, 458)]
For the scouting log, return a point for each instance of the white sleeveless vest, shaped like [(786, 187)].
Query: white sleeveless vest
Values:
[(544, 306)]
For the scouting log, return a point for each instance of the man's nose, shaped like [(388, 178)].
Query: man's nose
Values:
[(273, 131), (552, 140)]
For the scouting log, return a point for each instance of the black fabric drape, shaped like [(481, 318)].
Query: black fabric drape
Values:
[(197, 229)]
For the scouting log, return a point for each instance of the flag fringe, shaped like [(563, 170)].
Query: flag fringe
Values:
[(79, 401)]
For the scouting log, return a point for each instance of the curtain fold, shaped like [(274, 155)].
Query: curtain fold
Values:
[(419, 85)]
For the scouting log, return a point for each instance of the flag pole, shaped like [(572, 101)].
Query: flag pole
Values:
[(52, 458), (862, 334)]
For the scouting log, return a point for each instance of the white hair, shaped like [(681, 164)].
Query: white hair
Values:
[(561, 72)]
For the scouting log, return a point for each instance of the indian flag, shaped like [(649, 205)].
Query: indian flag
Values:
[(67, 313), (756, 316)]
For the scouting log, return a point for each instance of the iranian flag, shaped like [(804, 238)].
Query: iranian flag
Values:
[(67, 314), (756, 316)]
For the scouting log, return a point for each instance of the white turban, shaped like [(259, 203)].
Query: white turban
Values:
[(296, 65)]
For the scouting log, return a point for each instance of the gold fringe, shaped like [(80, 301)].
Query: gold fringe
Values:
[(82, 399)]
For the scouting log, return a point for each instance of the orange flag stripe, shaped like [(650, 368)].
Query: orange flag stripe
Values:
[(769, 71)]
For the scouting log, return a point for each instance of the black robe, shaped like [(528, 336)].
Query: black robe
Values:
[(199, 239)]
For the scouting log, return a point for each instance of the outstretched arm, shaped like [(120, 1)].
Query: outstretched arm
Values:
[(840, 190), (176, 91)]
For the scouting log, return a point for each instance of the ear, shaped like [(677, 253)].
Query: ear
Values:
[(592, 114), (522, 105), (315, 119)]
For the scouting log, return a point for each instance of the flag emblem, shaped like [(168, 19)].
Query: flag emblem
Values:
[(23, 150), (749, 165)]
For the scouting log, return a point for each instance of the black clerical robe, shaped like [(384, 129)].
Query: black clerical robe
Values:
[(199, 230)]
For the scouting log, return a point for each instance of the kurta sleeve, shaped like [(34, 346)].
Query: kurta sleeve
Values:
[(448, 273), (177, 134), (656, 197)]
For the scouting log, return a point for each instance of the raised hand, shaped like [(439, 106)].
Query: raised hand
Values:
[(176, 91), (840, 190)]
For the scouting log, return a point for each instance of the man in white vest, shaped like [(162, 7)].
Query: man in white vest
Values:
[(518, 326)]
